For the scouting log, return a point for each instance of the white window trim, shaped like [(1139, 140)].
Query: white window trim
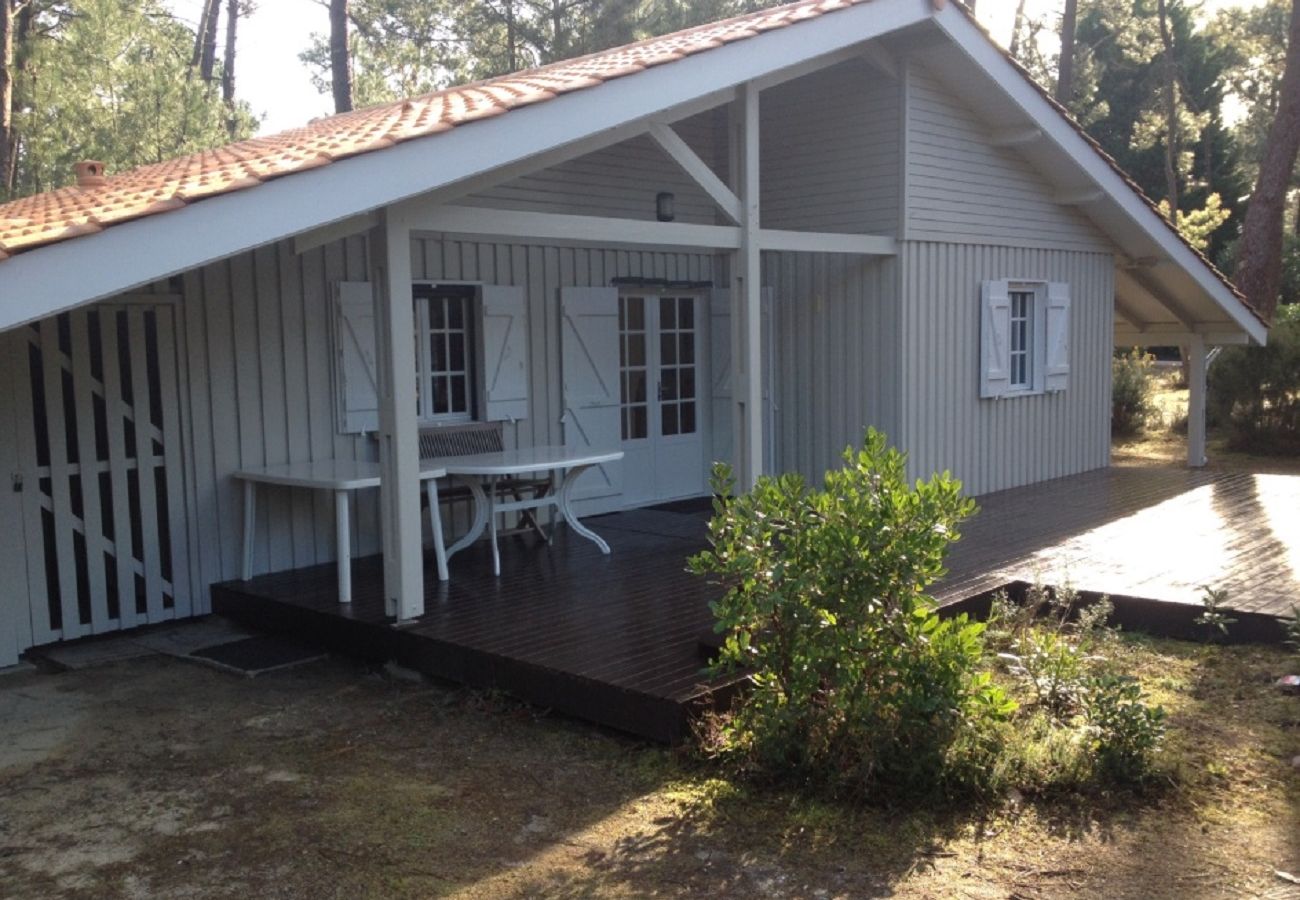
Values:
[(1037, 362), (423, 361)]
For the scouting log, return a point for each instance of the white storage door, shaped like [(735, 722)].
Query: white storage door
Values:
[(590, 372)]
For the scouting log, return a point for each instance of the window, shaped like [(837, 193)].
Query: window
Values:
[(1024, 338), (1022, 321), (471, 354), (443, 351)]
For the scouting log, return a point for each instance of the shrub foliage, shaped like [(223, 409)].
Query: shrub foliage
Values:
[(1254, 392), (857, 686), (1131, 407)]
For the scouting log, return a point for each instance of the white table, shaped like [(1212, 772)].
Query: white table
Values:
[(473, 468), (338, 476)]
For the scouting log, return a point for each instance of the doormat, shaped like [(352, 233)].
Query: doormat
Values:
[(258, 655)]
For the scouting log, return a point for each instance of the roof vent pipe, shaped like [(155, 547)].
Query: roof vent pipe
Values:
[(89, 173)]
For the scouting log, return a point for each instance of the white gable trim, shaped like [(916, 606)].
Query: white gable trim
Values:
[(50, 279), (1026, 96)]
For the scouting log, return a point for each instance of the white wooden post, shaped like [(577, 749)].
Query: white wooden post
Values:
[(399, 452), (1196, 354), (746, 300)]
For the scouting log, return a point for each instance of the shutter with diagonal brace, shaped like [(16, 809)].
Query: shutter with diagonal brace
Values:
[(503, 353), (995, 338), (590, 372), (720, 378), (1057, 365), (356, 366)]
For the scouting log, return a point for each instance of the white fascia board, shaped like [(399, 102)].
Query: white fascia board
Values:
[(50, 279), (1026, 96), (528, 226)]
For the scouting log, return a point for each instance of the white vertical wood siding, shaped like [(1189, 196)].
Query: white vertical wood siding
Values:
[(963, 189), (837, 354), (257, 370), (830, 158), (999, 443), (620, 181)]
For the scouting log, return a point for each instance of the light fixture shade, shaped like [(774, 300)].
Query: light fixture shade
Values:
[(665, 209)]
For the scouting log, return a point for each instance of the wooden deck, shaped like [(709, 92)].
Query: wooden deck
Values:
[(1150, 533), (617, 639), (612, 639)]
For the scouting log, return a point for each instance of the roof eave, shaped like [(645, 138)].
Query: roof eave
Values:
[(60, 276)]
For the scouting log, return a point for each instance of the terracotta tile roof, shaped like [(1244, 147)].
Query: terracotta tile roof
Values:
[(72, 211)]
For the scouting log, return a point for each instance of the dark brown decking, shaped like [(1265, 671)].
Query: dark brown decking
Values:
[(616, 639), (1151, 533), (612, 639)]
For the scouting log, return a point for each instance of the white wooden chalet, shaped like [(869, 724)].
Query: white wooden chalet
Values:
[(746, 241)]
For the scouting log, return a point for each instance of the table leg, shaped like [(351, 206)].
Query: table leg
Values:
[(250, 519), (480, 515), (492, 523), (566, 489), (343, 544), (435, 523)]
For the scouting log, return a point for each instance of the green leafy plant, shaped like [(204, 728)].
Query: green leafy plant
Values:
[(1131, 406), (1126, 731), (1212, 618), (1052, 666), (1293, 630), (856, 685), (1254, 392)]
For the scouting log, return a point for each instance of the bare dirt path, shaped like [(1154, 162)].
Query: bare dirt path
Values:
[(159, 778)]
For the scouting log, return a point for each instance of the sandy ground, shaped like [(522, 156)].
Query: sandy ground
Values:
[(155, 777)]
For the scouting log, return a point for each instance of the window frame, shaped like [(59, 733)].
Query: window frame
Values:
[(1035, 353), (471, 300)]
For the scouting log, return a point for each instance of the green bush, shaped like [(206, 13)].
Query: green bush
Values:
[(1126, 731), (1254, 392), (1131, 407), (857, 687)]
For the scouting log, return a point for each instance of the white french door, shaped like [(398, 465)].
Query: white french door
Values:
[(660, 382)]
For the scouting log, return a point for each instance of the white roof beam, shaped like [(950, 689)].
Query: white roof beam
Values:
[(826, 242), (515, 224), (1125, 309), (689, 161)]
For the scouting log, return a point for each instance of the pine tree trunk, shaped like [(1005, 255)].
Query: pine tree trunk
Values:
[(6, 85), (228, 68), (208, 36), (1065, 66), (1017, 25), (19, 67), (340, 58), (1170, 72), (511, 38), (1259, 262)]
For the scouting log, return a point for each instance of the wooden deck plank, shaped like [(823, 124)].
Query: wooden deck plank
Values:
[(615, 639)]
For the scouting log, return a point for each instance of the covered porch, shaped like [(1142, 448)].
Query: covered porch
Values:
[(623, 640)]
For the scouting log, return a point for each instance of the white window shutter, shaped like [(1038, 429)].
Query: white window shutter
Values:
[(721, 372), (995, 338), (720, 375), (1057, 365), (589, 369), (356, 357), (503, 353)]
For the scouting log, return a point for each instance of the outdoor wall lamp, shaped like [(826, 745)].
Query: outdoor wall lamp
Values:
[(664, 206)]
